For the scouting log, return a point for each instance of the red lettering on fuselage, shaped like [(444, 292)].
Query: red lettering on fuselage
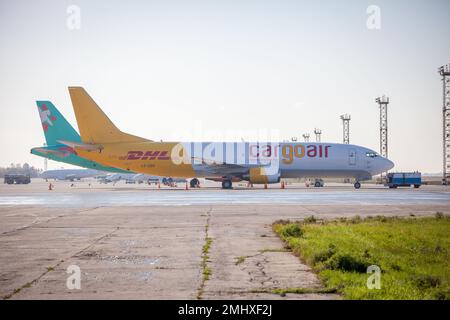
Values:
[(134, 155), (312, 151), (164, 155), (289, 152), (150, 155)]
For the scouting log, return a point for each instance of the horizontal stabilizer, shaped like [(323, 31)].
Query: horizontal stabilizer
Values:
[(56, 153), (83, 146)]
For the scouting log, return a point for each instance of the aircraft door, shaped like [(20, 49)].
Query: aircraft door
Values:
[(352, 157)]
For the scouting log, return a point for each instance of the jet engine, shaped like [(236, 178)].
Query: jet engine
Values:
[(260, 176)]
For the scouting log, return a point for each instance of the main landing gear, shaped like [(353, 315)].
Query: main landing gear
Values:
[(195, 183), (227, 184), (357, 185)]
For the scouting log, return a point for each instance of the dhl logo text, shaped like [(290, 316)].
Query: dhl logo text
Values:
[(147, 155)]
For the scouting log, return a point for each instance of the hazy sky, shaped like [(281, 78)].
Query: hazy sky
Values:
[(215, 70)]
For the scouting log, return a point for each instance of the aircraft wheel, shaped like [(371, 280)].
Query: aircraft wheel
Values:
[(317, 184), (227, 184), (357, 185), (194, 183)]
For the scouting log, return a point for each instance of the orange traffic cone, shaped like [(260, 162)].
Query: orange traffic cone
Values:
[(265, 185), (50, 187), (186, 186), (282, 184), (159, 185)]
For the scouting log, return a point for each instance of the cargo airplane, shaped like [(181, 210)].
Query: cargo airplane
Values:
[(258, 163)]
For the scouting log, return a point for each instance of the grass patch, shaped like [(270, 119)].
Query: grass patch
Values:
[(310, 219), (206, 273), (206, 270), (206, 246), (413, 254), (291, 230), (239, 260), (205, 256)]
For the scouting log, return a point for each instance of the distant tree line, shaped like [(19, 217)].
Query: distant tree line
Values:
[(20, 169)]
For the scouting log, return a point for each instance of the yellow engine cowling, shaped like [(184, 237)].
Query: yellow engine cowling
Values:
[(259, 176)]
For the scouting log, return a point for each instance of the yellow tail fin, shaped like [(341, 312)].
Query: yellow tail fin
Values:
[(94, 125)]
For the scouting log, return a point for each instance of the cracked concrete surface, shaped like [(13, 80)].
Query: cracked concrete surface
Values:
[(155, 252)]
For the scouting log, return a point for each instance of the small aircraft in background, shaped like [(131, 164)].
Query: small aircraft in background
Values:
[(69, 174), (138, 178)]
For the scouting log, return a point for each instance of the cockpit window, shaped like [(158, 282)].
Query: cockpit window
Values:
[(371, 154)]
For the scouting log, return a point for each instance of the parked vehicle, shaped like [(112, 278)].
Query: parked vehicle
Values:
[(404, 179), (17, 179)]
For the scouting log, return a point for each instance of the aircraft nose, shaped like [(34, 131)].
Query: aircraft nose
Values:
[(387, 164)]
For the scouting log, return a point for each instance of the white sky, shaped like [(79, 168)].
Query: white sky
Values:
[(164, 69)]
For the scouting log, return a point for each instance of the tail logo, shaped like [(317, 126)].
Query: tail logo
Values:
[(46, 117)]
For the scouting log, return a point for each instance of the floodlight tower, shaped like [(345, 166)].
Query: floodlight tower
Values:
[(318, 133), (346, 124), (306, 137), (383, 104), (444, 71)]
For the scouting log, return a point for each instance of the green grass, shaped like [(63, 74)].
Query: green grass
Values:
[(206, 271), (239, 260), (413, 254), (206, 246)]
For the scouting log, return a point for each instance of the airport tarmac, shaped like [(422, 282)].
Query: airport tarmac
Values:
[(135, 241)]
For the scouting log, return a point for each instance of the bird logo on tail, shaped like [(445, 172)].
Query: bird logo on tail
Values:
[(46, 117)]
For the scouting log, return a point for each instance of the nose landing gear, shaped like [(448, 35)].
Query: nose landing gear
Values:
[(357, 185)]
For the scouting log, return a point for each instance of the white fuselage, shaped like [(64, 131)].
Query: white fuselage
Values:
[(290, 160)]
